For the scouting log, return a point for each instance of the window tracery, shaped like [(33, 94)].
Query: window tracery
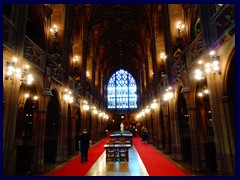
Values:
[(122, 91)]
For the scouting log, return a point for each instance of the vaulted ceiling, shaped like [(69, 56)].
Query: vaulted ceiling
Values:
[(119, 35)]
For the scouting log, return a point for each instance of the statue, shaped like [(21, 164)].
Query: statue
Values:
[(122, 127), (47, 83)]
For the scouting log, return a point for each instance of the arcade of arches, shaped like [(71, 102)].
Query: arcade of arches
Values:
[(185, 95)]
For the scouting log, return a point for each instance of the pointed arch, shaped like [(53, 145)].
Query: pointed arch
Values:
[(122, 90)]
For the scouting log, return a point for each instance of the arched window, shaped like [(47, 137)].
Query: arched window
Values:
[(122, 91)]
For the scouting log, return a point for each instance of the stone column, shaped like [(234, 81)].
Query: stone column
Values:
[(73, 122), (195, 142), (10, 116), (167, 130), (62, 136), (160, 137), (158, 127), (194, 129), (11, 87), (175, 134), (38, 166)]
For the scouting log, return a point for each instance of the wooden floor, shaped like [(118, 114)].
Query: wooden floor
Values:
[(133, 167)]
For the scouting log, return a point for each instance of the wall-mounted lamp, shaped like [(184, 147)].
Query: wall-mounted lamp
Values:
[(142, 113), (203, 92), (87, 74), (163, 57), (180, 27), (75, 60), (200, 72), (154, 104), (67, 96), (34, 97), (215, 64), (106, 116), (86, 107), (163, 67), (94, 110), (147, 110), (22, 74), (54, 31), (168, 94), (100, 113), (26, 78)]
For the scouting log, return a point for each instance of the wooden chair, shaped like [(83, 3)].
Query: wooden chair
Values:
[(123, 154), (110, 154), (111, 142)]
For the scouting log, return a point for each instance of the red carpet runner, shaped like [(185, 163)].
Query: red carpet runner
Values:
[(154, 162), (75, 168)]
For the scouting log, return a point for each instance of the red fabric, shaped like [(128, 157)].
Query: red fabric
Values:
[(75, 168), (155, 163)]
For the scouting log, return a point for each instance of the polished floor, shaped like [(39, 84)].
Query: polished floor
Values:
[(133, 167)]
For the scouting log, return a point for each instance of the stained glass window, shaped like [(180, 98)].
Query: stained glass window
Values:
[(122, 91)]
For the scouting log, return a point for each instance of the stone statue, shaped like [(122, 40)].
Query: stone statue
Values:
[(122, 126)]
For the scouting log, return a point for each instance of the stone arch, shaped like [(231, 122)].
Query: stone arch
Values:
[(183, 125), (205, 127), (229, 85), (52, 125), (25, 131)]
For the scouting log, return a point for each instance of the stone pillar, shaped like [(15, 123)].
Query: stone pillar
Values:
[(167, 130), (73, 122), (155, 126), (10, 115), (11, 88), (38, 166), (194, 128), (222, 132), (62, 136), (154, 65), (195, 142), (160, 129), (84, 66), (175, 134), (231, 161), (93, 91), (168, 41)]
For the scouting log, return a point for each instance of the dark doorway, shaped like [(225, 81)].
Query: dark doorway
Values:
[(51, 130), (204, 120), (184, 128), (162, 129), (25, 130), (78, 128)]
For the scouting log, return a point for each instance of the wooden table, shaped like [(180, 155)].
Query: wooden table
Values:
[(126, 135), (117, 148)]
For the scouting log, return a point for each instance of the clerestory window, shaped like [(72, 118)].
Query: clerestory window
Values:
[(122, 91)]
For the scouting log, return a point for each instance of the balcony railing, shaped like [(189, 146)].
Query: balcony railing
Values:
[(225, 20), (33, 53), (37, 57), (194, 50)]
